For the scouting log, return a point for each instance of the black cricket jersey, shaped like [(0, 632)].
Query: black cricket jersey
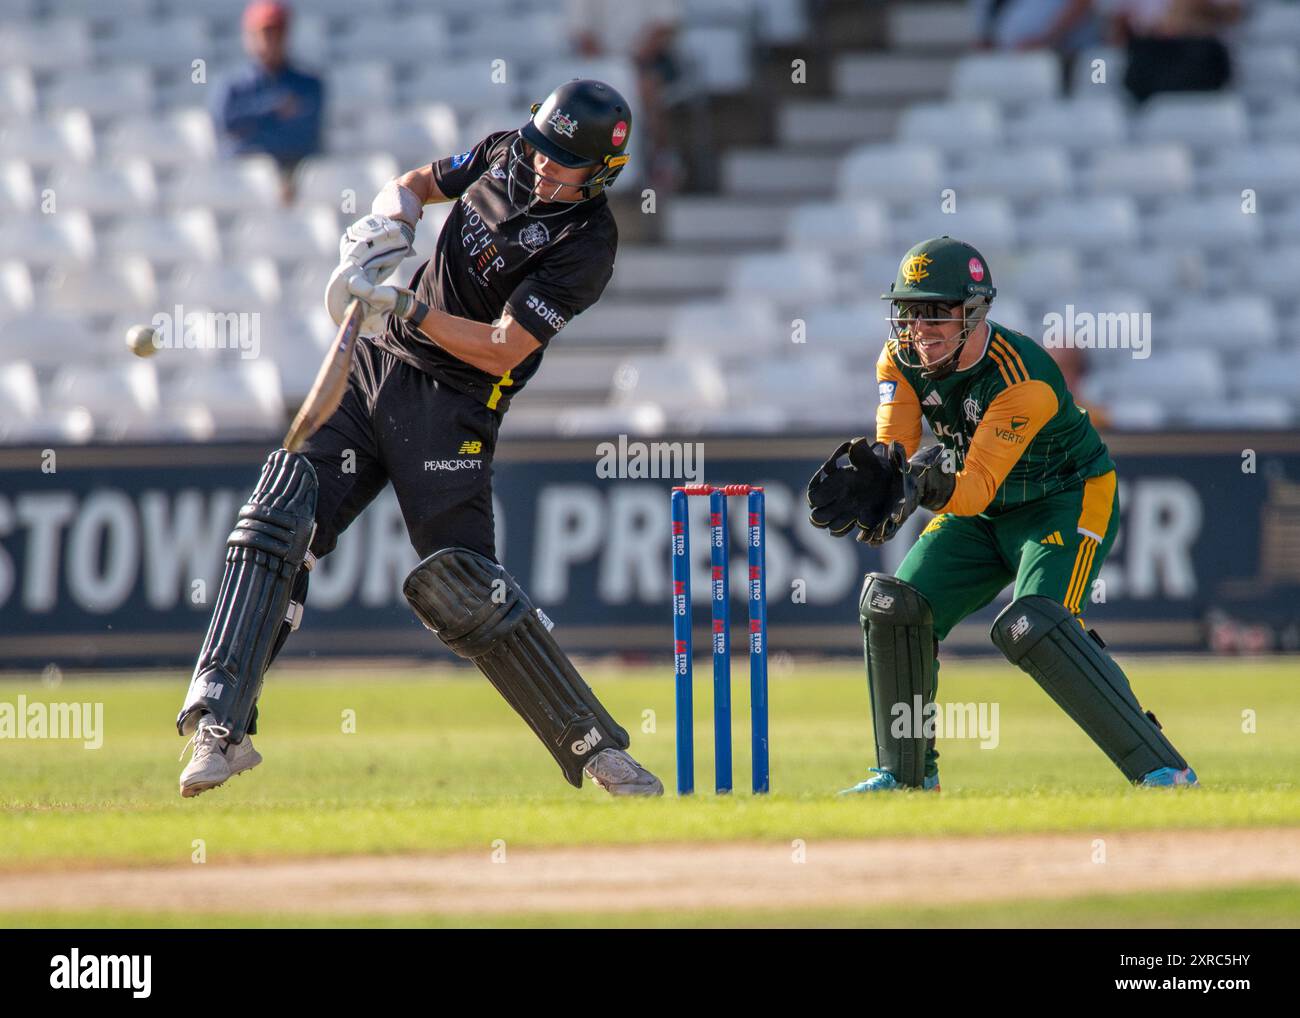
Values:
[(490, 258)]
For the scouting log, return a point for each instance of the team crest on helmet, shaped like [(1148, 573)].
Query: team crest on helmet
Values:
[(914, 269), (563, 123), (534, 236)]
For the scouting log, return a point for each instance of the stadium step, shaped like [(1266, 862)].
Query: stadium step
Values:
[(618, 324), (767, 172), (721, 223), (667, 273), (928, 27), (881, 76), (833, 126)]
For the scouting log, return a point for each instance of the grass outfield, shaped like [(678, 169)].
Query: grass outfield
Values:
[(441, 763), (1262, 907)]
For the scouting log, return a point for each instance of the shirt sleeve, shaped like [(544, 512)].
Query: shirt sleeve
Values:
[(570, 278), (454, 174), (898, 418), (1010, 423)]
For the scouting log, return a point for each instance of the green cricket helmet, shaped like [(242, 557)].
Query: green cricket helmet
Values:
[(934, 278)]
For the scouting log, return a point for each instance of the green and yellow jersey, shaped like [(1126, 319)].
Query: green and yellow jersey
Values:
[(1014, 427)]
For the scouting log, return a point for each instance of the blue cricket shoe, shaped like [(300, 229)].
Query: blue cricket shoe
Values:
[(884, 781), (1168, 777)]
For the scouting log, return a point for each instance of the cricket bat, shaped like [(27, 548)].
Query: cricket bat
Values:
[(331, 382)]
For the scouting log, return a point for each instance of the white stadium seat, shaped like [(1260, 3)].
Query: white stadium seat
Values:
[(122, 401), (413, 38), (676, 384), (1273, 23), (20, 394), (155, 43), (52, 141), (45, 240), (793, 280), (724, 329), (856, 330), (357, 87), (45, 45), (1083, 125), (1279, 122), (413, 136), (1162, 271), (1007, 77), (718, 56), (533, 35), (1270, 271), (17, 188), (288, 234), (122, 286), (17, 294), (957, 126), (987, 223), (328, 180), (1236, 322), (1268, 412), (115, 92), (1039, 274), (124, 189), (235, 397), (1267, 168), (873, 172), (1269, 71), (1198, 121), (1024, 174), (1143, 171), (1270, 374), (1097, 223), (1172, 377), (17, 94), (171, 238), (806, 388), (49, 339), (174, 140), (246, 184), (838, 227), (247, 285), (466, 85), (1215, 222)]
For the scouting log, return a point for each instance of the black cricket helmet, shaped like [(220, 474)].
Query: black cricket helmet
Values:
[(583, 123)]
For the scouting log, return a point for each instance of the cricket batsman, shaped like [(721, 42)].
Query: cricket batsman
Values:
[(529, 244), (1024, 492)]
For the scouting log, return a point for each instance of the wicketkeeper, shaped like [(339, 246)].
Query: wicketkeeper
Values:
[(1024, 492), (529, 244)]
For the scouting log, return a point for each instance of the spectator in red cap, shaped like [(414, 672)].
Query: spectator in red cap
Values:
[(268, 106)]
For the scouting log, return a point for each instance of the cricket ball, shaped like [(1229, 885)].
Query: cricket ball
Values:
[(142, 340)]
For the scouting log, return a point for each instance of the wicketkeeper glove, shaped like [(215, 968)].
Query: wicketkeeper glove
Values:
[(852, 487), (921, 481)]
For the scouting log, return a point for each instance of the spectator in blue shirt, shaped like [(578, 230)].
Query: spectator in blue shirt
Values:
[(268, 106)]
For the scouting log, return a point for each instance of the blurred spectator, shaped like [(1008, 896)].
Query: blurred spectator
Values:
[(645, 33), (1174, 45), (268, 106), (1074, 364), (1066, 26)]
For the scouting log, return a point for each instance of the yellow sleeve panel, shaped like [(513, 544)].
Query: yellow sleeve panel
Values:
[(1009, 424), (898, 418)]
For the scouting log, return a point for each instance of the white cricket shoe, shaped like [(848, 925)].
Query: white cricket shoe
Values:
[(616, 772), (215, 758)]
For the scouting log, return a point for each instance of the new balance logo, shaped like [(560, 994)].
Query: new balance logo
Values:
[(1053, 538), (583, 746), (544, 620), (932, 400), (882, 602), (469, 449), (1020, 627)]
